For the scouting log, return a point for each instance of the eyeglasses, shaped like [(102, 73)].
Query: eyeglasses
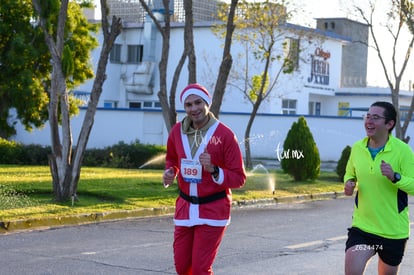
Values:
[(373, 117)]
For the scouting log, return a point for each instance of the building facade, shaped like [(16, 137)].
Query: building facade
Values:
[(328, 84), (331, 63)]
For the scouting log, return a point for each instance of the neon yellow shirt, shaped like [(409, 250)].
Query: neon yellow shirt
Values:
[(381, 207)]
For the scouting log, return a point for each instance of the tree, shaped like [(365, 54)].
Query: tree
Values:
[(65, 160), (25, 75), (168, 102), (24, 65), (300, 156), (399, 16), (258, 27), (341, 165)]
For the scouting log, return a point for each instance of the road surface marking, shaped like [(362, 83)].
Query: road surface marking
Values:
[(318, 242)]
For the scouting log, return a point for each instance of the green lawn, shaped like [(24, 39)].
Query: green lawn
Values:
[(26, 191)]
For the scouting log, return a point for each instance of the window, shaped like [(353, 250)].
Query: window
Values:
[(135, 105), (110, 104), (291, 53), (152, 104), (135, 53), (145, 105), (115, 56), (314, 108), (317, 108), (404, 112), (289, 106)]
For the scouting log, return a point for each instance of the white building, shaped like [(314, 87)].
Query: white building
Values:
[(328, 86)]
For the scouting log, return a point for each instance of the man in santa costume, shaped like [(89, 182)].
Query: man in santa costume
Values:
[(205, 156)]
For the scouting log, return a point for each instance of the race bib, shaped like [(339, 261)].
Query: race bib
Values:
[(191, 170)]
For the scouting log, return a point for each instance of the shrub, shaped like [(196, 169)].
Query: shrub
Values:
[(34, 154), (341, 166), (300, 156), (96, 157), (123, 155), (10, 152)]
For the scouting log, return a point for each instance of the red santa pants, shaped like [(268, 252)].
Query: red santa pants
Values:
[(195, 248)]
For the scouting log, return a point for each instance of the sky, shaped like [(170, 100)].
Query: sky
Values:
[(311, 9)]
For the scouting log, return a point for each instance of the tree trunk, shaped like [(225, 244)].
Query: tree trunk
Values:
[(59, 160), (248, 162), (188, 52), (189, 41), (109, 39), (168, 112), (168, 102), (64, 167), (260, 96), (226, 63)]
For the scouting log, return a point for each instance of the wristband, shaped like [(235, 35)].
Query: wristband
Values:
[(216, 171)]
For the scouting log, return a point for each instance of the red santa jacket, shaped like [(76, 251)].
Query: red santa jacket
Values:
[(225, 153)]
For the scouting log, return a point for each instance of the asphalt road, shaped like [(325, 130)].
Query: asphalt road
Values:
[(284, 238)]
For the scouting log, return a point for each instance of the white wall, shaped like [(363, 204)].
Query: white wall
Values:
[(209, 50), (331, 134)]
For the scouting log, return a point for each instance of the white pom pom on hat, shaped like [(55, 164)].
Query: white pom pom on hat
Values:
[(195, 89)]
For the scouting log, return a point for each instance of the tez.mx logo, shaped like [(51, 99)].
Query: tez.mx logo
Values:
[(288, 154), (213, 140)]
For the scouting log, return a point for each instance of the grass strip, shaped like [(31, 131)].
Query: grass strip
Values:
[(26, 191)]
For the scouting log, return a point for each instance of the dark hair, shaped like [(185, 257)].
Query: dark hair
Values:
[(389, 112)]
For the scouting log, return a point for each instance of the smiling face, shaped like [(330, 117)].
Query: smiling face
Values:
[(197, 110), (375, 123)]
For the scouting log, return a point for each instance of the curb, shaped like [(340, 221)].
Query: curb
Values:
[(7, 227), (291, 199)]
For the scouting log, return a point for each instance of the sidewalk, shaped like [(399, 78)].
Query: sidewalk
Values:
[(328, 166)]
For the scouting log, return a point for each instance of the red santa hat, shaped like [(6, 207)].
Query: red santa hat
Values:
[(195, 89)]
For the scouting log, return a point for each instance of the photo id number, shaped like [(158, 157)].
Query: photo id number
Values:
[(365, 247)]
